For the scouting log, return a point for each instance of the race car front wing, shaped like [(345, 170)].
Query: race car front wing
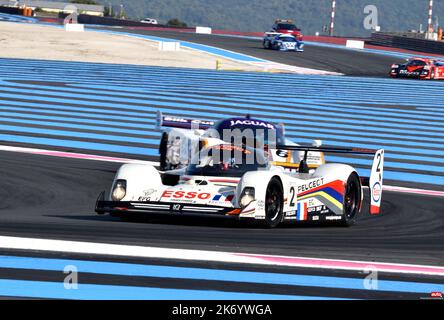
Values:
[(103, 207)]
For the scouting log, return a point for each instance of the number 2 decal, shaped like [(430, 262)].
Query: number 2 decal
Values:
[(378, 168), (293, 195)]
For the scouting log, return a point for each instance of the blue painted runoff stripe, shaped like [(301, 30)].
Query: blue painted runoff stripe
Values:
[(221, 105), (16, 18), (327, 133), (195, 46), (150, 120), (406, 176), (56, 290), (91, 92), (86, 117), (12, 117), (140, 270), (149, 129), (171, 103), (387, 163)]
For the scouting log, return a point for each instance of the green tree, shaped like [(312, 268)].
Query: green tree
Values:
[(109, 12), (84, 2), (310, 16), (176, 23)]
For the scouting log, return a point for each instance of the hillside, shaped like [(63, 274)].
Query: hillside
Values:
[(258, 15)]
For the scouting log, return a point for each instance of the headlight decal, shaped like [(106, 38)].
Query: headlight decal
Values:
[(119, 190), (247, 197)]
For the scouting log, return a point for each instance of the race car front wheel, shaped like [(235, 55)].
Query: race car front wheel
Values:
[(266, 44), (274, 203), (352, 200)]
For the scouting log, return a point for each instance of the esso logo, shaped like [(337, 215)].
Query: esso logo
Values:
[(186, 195), (376, 192)]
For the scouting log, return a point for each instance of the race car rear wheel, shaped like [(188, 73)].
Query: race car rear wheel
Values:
[(274, 203), (352, 200)]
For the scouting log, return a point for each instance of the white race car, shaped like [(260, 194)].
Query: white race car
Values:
[(239, 181), (149, 21), (182, 138), (282, 42)]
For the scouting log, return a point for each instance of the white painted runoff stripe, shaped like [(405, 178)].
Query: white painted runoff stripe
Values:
[(209, 256), (270, 65), (72, 155)]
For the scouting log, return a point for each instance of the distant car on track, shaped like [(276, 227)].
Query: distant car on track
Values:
[(287, 27), (239, 181), (282, 42), (419, 68), (149, 21)]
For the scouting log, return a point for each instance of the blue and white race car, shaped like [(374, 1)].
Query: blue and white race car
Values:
[(282, 42)]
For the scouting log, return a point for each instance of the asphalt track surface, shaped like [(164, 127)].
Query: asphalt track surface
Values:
[(348, 62), (52, 198), (48, 197)]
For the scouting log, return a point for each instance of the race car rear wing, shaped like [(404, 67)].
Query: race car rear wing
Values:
[(374, 182), (183, 123)]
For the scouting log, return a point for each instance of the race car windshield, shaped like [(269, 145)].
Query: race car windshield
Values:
[(227, 161), (287, 39), (417, 63), (287, 27), (256, 133)]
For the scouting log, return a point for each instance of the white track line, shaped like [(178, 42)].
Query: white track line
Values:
[(72, 155), (210, 256)]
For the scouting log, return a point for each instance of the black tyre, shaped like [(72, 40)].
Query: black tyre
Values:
[(163, 151), (352, 200), (274, 203), (116, 215), (125, 217), (266, 44)]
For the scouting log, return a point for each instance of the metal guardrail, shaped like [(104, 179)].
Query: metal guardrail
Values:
[(408, 41), (10, 10), (108, 21)]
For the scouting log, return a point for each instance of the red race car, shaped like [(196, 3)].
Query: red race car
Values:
[(419, 68), (287, 27)]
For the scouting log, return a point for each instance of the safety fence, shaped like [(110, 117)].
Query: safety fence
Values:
[(407, 41), (27, 12)]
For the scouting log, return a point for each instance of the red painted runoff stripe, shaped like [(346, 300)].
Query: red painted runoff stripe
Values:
[(346, 265)]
